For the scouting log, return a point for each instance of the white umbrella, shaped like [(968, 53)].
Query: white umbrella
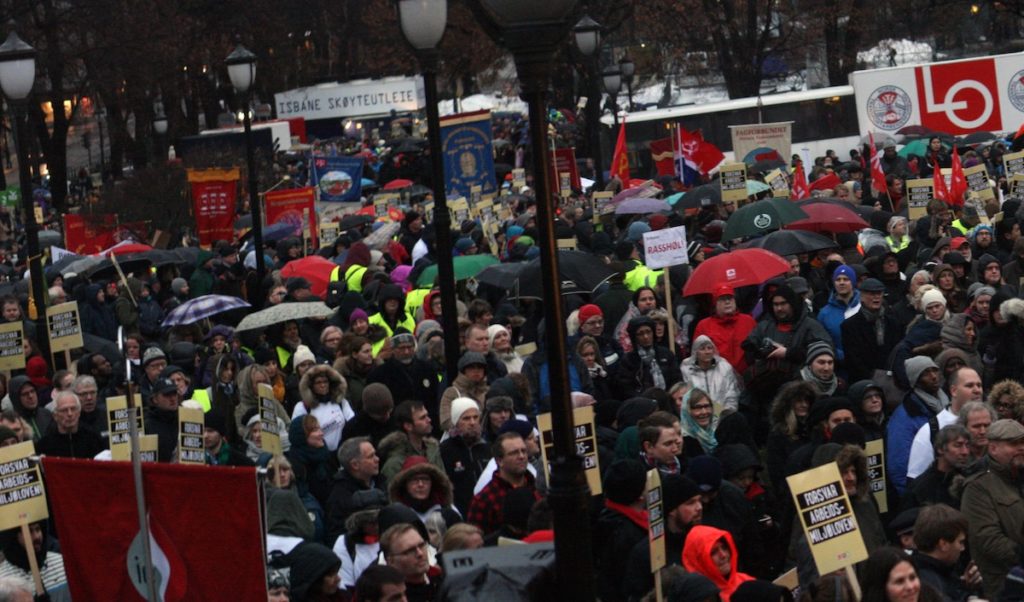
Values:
[(282, 312)]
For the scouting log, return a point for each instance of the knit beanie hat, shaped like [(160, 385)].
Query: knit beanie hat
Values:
[(819, 348), (932, 296), (303, 354), (589, 311), (676, 489), (492, 331), (916, 366), (178, 285), (459, 407), (845, 270), (357, 314), (624, 481)]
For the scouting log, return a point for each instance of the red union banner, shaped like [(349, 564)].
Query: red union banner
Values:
[(214, 193), (288, 206), (90, 234), (563, 160)]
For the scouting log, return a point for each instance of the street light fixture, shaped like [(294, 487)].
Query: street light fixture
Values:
[(587, 35), (612, 78), (241, 66), (423, 23), (628, 68), (533, 30), (17, 75), (159, 127)]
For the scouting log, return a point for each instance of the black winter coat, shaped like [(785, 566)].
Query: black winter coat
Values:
[(633, 377), (863, 353), (464, 463)]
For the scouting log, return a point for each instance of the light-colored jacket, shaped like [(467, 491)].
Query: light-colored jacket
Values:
[(719, 381)]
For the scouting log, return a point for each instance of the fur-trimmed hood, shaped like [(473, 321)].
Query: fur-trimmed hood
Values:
[(338, 385), (783, 401), (440, 487), (1012, 309)]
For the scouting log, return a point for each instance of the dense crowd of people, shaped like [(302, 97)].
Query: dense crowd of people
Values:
[(916, 340)]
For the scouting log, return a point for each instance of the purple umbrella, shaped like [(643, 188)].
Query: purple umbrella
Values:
[(642, 206)]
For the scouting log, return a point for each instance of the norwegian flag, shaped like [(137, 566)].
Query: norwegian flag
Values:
[(799, 188), (682, 153), (958, 182), (877, 174)]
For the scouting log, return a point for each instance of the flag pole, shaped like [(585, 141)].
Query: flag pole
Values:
[(140, 492)]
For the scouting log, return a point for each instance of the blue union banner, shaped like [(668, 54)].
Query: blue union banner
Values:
[(468, 156)]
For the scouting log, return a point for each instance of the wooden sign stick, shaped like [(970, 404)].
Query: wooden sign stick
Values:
[(30, 551)]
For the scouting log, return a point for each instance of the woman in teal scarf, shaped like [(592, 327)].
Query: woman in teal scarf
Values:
[(698, 421)]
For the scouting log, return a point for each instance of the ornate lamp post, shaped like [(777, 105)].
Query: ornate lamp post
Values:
[(159, 126), (533, 30), (17, 75), (241, 66), (628, 68), (423, 23), (587, 35), (612, 79)]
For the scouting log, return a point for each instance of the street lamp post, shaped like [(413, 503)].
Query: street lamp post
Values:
[(533, 30), (587, 35), (242, 70), (159, 126), (628, 68), (612, 79), (423, 23), (17, 74)]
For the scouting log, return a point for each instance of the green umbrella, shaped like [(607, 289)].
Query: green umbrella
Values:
[(761, 217), (918, 147), (466, 266), (756, 186), (672, 199)]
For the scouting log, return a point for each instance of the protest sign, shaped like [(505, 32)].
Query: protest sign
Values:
[(566, 244), (875, 451), (270, 435), (827, 519), (665, 248), (919, 193), (12, 346), (977, 182), (518, 179), (64, 326), (190, 436), (564, 184), (329, 231), (761, 141), (1013, 164), (459, 209), (733, 180), (586, 444), (600, 200), (148, 445), (779, 183), (337, 179), (214, 196), (655, 519), (120, 430), (22, 493)]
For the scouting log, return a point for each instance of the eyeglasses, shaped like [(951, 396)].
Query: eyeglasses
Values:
[(420, 547)]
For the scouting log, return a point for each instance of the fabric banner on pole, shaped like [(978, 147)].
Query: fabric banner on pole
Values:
[(199, 550), (564, 161), (289, 206), (214, 194), (339, 179), (468, 154), (663, 157), (762, 141), (87, 235)]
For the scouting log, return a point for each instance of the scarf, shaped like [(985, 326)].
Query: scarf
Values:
[(935, 404), (637, 517), (650, 359), (825, 387), (674, 468), (704, 436), (875, 319)]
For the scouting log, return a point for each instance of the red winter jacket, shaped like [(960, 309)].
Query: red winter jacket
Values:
[(728, 334)]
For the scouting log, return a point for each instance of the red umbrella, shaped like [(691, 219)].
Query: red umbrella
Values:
[(824, 217), (314, 268), (398, 184), (742, 267)]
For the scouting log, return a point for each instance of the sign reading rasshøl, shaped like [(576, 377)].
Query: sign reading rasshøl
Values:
[(65, 327)]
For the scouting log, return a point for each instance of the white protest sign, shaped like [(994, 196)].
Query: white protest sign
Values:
[(664, 248)]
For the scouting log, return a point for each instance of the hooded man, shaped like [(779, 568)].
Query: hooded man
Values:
[(25, 399), (648, 364)]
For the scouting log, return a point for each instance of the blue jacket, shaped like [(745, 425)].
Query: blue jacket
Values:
[(908, 418), (832, 315)]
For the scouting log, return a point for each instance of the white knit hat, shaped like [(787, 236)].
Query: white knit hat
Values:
[(303, 354), (461, 405), (932, 296)]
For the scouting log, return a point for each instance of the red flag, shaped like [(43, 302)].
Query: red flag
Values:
[(958, 182), (698, 151), (620, 160), (662, 153), (939, 185), (799, 187), (877, 174), (205, 534), (826, 182)]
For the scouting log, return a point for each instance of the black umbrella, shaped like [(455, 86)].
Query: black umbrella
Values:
[(580, 273), (410, 145), (243, 221), (188, 255), (791, 242), (701, 196), (977, 138), (353, 220)]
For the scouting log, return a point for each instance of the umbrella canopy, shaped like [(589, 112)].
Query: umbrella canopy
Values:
[(199, 308), (314, 268), (278, 232), (742, 267), (283, 312), (629, 193), (915, 130), (865, 211), (791, 242), (466, 266), (354, 220), (81, 265), (760, 217), (674, 198), (641, 205), (419, 190), (766, 165), (918, 147), (134, 247), (398, 184), (978, 138), (756, 186), (701, 196), (579, 272), (826, 217), (367, 182)]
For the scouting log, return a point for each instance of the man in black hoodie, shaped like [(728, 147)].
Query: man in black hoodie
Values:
[(620, 525), (66, 437), (25, 399)]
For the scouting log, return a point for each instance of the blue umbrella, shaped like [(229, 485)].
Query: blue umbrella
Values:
[(367, 182), (199, 308)]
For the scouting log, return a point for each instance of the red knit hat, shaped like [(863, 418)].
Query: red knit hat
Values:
[(36, 369), (589, 311)]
